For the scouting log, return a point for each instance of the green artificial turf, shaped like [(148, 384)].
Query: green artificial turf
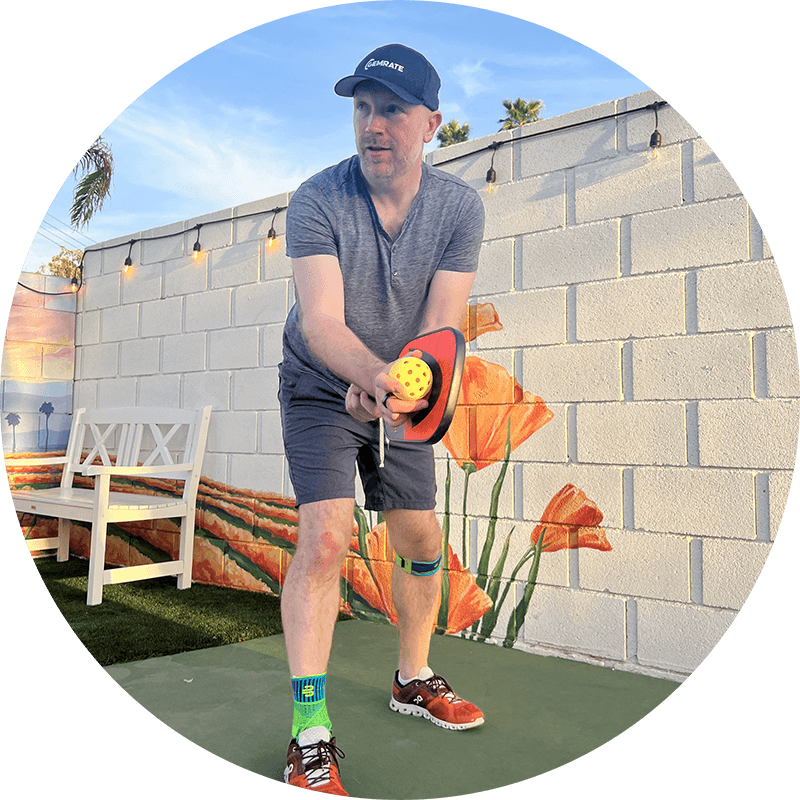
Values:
[(150, 618)]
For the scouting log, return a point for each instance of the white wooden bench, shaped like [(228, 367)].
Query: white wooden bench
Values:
[(161, 443)]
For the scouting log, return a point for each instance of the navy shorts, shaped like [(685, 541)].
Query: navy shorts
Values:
[(323, 445)]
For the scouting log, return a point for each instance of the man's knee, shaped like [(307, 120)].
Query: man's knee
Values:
[(324, 534), (414, 535)]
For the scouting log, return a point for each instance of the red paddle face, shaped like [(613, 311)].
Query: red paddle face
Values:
[(443, 351)]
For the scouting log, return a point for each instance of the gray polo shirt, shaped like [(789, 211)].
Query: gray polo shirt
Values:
[(386, 281)]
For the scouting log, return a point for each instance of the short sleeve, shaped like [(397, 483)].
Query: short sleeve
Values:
[(463, 249), (309, 225)]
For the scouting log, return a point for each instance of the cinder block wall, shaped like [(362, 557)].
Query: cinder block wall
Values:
[(637, 297)]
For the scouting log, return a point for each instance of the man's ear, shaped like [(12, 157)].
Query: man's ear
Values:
[(434, 121)]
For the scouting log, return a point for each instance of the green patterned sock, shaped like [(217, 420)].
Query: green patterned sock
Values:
[(309, 704)]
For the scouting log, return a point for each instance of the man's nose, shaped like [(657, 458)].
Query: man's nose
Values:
[(375, 123)]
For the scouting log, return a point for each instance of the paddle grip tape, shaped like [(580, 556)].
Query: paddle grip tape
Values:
[(422, 569)]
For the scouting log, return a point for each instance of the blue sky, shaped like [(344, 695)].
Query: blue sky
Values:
[(256, 114)]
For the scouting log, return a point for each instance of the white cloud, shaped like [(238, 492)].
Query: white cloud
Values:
[(473, 78), (221, 154)]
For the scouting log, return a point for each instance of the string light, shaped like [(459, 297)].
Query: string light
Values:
[(272, 237), (197, 250), (128, 268), (655, 136), (491, 175)]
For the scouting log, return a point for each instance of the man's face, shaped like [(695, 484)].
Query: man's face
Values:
[(390, 133)]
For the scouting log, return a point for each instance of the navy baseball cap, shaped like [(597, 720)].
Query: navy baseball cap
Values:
[(401, 70)]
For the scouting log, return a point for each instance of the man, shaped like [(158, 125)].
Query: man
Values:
[(383, 248)]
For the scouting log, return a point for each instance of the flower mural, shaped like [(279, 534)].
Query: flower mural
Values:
[(246, 539)]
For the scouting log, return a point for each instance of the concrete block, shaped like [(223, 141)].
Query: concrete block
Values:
[(571, 255), (185, 276), (575, 372), (92, 265), (535, 204), (630, 184), (235, 265), (696, 502), (271, 439), (234, 348), (756, 434), (260, 303), (631, 433), (783, 379), (86, 394), (271, 345), (116, 251), (163, 249), (208, 310), (253, 220), (162, 317), (116, 392), (591, 624), (255, 389), (479, 489), (636, 129), (730, 570), (233, 432), (711, 179), (678, 637), (470, 161), (184, 352), (558, 150), (495, 268), (640, 565), (98, 361), (548, 444), (262, 473), (705, 366), (140, 357), (216, 232), (160, 390), (144, 284), (741, 297), (630, 308), (120, 322), (101, 292), (204, 388), (215, 467), (58, 362), (275, 263), (87, 328), (697, 235), (779, 484), (529, 318)]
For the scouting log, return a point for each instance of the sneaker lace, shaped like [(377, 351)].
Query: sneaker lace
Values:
[(438, 685), (317, 758)]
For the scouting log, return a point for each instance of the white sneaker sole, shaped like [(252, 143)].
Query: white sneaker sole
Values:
[(411, 710)]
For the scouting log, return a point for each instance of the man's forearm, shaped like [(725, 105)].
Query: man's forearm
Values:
[(333, 343)]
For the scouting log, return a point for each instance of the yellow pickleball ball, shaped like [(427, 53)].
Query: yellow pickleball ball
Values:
[(415, 375)]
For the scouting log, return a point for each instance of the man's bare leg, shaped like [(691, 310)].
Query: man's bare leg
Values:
[(415, 535), (310, 594)]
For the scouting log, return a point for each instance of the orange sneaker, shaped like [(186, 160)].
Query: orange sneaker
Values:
[(431, 697), (311, 762)]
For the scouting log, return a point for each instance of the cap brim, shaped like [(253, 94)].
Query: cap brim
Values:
[(347, 86)]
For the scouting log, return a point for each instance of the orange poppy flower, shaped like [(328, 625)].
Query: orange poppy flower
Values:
[(478, 319), (467, 602), (488, 400), (571, 520)]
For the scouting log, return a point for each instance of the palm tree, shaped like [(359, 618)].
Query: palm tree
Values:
[(453, 133), (520, 112), (13, 420), (97, 168), (46, 409)]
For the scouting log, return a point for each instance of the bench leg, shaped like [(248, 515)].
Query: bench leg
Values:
[(186, 553), (62, 554), (97, 563)]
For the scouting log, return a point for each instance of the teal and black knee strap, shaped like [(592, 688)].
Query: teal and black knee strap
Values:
[(422, 569)]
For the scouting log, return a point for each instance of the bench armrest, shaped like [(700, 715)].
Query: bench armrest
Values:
[(162, 469), (35, 462)]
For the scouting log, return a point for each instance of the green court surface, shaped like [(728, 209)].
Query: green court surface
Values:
[(235, 701)]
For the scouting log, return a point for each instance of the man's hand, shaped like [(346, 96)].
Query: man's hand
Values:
[(364, 406)]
